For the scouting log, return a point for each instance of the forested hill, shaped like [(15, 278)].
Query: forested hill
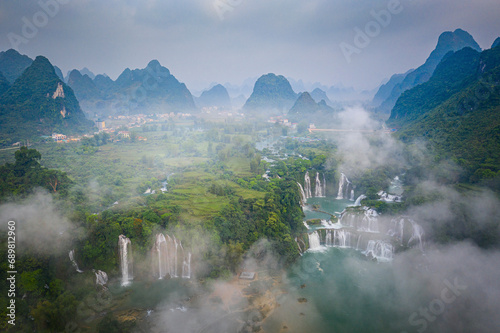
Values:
[(39, 103), (458, 113)]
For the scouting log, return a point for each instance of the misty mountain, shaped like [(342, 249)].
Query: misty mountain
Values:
[(4, 84), (300, 85), (83, 86), (271, 92), (217, 96), (83, 71), (59, 73), (149, 90), (448, 79), (306, 108), (39, 103), (104, 83), (385, 90), (448, 41), (460, 114), (305, 104), (318, 95), (238, 101), (245, 88), (155, 89), (496, 43), (13, 64)]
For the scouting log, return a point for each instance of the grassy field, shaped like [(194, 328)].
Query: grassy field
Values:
[(121, 171)]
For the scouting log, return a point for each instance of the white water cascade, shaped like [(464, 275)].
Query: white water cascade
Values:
[(161, 250), (186, 267), (345, 188), (416, 236), (126, 262), (415, 232), (380, 250), (340, 238), (101, 278), (358, 200), (320, 189), (314, 242), (166, 253), (307, 186), (303, 198), (73, 261)]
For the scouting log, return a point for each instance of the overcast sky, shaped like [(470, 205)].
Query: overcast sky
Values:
[(201, 44)]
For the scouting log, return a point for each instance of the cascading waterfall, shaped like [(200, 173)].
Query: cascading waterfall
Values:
[(314, 242), (101, 278), (161, 250), (126, 262), (73, 261), (384, 196), (358, 200), (186, 267), (342, 238), (166, 253), (416, 236), (379, 249), (319, 189), (416, 232), (175, 256), (369, 222), (303, 198), (345, 188), (298, 245), (307, 186), (361, 229)]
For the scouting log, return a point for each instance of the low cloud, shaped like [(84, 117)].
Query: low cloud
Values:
[(40, 226)]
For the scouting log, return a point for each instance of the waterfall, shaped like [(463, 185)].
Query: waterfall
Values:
[(175, 256), (329, 238), (342, 238), (73, 261), (358, 200), (338, 237), (307, 185), (186, 267), (314, 242), (319, 189), (298, 245), (303, 198), (359, 241), (398, 231), (171, 258), (324, 185), (125, 248), (101, 278), (166, 253), (379, 249), (384, 196), (369, 222), (161, 253), (417, 234), (345, 188)]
